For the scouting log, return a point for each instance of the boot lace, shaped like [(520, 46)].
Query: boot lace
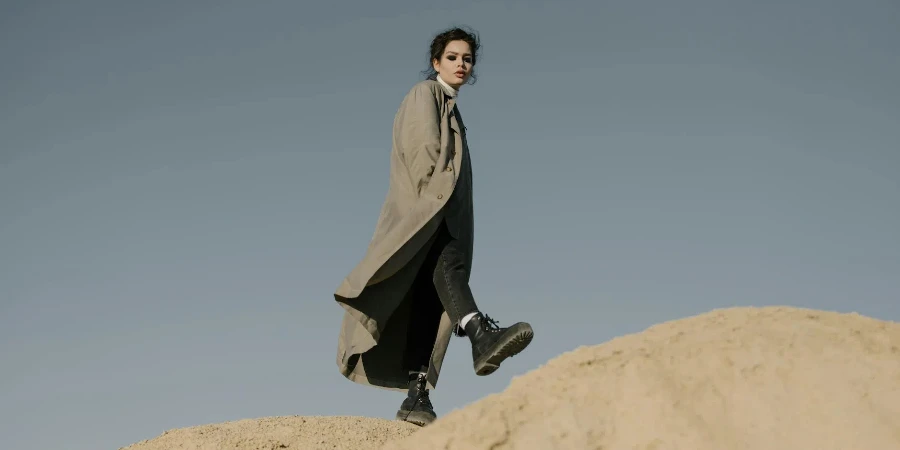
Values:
[(422, 397), (490, 324)]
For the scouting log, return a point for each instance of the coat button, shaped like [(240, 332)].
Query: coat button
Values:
[(440, 196), (449, 169)]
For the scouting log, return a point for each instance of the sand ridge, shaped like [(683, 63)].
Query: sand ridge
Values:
[(739, 378), (291, 432)]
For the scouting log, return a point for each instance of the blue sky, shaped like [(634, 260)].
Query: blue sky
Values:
[(184, 184)]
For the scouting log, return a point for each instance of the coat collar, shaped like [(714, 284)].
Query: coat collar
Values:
[(450, 96)]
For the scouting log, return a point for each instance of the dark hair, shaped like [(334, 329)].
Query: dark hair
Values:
[(439, 44)]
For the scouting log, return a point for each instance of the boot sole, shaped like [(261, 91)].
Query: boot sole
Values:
[(415, 417), (512, 344)]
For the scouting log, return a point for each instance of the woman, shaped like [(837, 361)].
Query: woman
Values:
[(411, 291)]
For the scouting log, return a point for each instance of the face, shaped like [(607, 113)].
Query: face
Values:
[(455, 65)]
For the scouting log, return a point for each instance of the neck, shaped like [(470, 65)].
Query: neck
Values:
[(452, 91)]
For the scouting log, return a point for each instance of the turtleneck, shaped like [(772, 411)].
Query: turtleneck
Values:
[(453, 92)]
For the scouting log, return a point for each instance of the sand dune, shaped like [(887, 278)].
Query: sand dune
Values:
[(741, 378), (273, 433)]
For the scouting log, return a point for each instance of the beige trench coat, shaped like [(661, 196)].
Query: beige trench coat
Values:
[(429, 162)]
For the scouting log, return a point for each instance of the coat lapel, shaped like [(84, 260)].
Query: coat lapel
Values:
[(453, 112)]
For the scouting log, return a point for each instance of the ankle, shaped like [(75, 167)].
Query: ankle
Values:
[(465, 319), (416, 374)]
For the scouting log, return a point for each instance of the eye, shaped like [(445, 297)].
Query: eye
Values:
[(451, 57)]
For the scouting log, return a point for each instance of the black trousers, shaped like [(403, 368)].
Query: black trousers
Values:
[(440, 285)]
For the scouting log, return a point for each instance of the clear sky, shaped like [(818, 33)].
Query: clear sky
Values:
[(184, 184)]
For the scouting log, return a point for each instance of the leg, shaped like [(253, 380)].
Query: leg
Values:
[(491, 344), (424, 316), (451, 277)]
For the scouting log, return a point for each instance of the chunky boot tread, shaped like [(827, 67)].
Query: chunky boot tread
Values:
[(512, 342)]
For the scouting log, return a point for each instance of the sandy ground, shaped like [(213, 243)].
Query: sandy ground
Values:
[(740, 378), (273, 433)]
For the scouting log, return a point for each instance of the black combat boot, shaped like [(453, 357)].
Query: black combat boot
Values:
[(492, 344), (417, 408)]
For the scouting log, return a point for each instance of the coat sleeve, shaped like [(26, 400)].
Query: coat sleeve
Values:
[(419, 135)]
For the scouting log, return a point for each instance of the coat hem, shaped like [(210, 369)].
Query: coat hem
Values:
[(390, 385)]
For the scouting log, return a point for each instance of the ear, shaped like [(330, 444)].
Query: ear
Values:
[(436, 64)]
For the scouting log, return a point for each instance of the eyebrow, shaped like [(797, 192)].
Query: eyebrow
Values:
[(454, 53)]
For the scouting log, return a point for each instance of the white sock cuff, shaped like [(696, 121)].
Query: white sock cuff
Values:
[(465, 319)]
